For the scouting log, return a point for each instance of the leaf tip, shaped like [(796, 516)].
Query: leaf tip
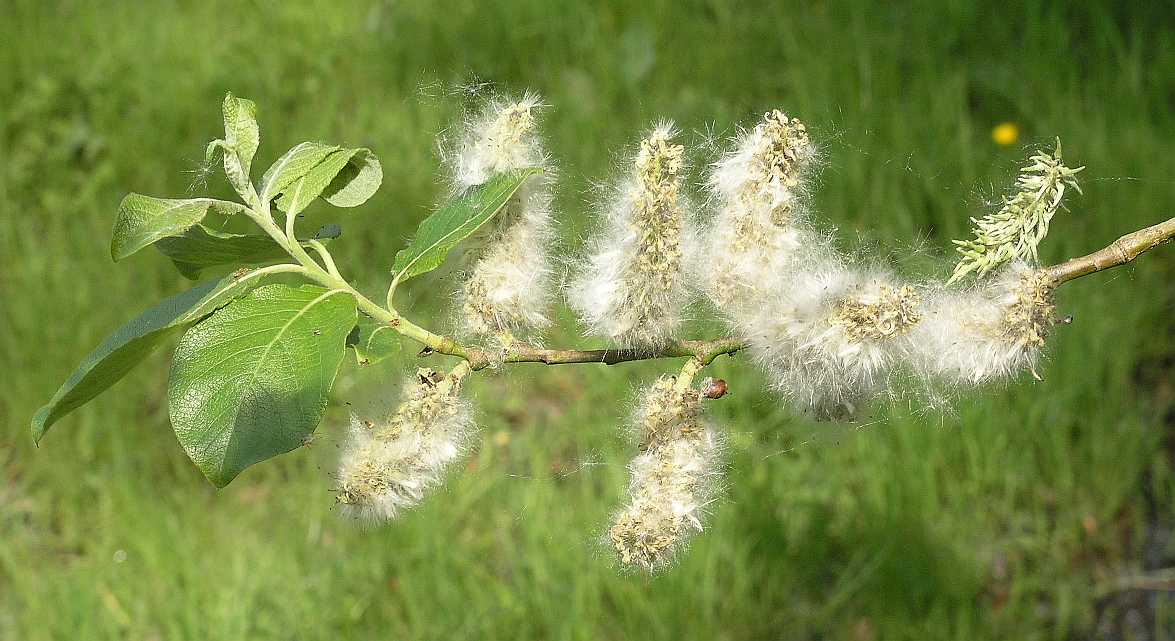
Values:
[(40, 424)]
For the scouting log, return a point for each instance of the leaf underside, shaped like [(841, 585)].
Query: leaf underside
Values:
[(252, 380), (200, 248), (342, 177), (293, 165), (240, 129), (374, 341), (143, 220), (438, 234), (241, 139)]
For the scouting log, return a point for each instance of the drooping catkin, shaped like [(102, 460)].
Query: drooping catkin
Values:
[(388, 466), (632, 288), (830, 336), (989, 332), (671, 480), (508, 287), (759, 187)]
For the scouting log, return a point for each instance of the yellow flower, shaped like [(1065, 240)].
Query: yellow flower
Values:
[(1005, 134)]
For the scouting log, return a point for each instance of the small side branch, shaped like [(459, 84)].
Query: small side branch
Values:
[(1120, 252)]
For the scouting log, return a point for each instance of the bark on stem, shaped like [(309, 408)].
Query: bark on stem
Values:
[(1119, 252)]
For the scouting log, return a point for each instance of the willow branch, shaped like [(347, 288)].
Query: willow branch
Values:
[(1119, 252)]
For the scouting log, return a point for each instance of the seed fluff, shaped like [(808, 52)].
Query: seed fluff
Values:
[(759, 187), (830, 337), (987, 333), (632, 288), (671, 481), (389, 466), (508, 285)]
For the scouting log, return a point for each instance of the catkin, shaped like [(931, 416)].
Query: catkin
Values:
[(671, 480), (389, 466), (508, 285), (760, 187), (633, 287)]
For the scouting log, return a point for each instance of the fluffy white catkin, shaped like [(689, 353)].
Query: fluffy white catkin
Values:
[(387, 467), (759, 187), (672, 480), (509, 283), (632, 289), (831, 334), (989, 332)]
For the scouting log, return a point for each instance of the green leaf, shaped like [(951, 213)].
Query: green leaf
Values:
[(373, 341), (294, 164), (342, 177), (251, 382), (132, 342), (358, 180), (299, 194), (241, 139), (328, 232), (143, 220), (199, 248), (438, 234)]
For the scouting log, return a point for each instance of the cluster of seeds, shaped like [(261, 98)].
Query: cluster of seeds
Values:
[(632, 289), (671, 479), (759, 186), (388, 466), (992, 331), (1030, 316), (508, 287), (656, 222), (893, 311), (779, 154)]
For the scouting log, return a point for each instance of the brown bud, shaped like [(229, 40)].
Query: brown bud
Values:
[(713, 388)]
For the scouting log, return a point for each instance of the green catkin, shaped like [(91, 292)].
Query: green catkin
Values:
[(1015, 231)]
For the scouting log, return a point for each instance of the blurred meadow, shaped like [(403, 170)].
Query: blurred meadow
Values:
[(1040, 511)]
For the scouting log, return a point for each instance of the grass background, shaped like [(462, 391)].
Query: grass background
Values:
[(1023, 515)]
